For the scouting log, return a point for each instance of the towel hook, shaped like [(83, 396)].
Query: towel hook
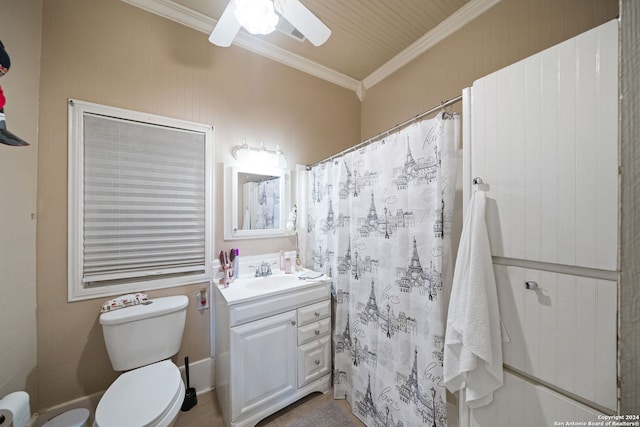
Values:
[(480, 185)]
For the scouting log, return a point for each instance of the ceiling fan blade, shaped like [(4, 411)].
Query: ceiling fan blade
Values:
[(306, 22), (226, 28)]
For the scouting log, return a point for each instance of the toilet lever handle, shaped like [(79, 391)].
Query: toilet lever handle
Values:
[(531, 285)]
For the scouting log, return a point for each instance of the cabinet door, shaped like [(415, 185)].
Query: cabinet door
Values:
[(544, 136), (564, 333), (314, 360), (522, 403), (263, 366)]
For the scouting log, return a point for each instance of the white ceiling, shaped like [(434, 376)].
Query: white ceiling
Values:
[(370, 38)]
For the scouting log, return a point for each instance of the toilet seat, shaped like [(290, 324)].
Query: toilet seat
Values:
[(147, 396)]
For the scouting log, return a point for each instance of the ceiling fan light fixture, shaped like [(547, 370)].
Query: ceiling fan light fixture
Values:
[(257, 16)]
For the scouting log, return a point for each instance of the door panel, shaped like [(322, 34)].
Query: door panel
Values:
[(265, 365)]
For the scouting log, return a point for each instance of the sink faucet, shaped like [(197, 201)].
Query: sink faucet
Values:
[(264, 270)]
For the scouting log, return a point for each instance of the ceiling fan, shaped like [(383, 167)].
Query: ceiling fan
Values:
[(293, 11)]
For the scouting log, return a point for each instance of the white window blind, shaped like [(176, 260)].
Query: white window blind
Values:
[(142, 207), (144, 210)]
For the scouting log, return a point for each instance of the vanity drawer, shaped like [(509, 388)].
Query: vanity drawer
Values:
[(314, 360), (314, 330), (268, 306), (314, 312)]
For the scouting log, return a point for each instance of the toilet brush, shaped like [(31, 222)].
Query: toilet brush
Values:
[(190, 398)]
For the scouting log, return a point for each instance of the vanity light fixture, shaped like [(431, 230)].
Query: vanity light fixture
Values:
[(260, 154), (257, 16)]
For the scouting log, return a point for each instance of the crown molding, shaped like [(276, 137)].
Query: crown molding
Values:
[(453, 23), (260, 47), (177, 13), (203, 23)]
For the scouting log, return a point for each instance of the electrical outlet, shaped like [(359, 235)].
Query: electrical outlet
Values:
[(203, 299)]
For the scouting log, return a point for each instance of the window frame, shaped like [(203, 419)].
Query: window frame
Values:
[(77, 290)]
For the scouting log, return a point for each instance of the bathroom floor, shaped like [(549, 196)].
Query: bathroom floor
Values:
[(207, 412)]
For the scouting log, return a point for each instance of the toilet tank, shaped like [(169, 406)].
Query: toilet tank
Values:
[(143, 334)]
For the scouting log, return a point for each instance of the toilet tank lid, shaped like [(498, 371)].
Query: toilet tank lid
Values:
[(152, 308)]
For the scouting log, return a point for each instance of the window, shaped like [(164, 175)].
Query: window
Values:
[(140, 191)]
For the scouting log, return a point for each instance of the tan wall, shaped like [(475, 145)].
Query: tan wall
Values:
[(111, 53), (20, 33), (508, 32)]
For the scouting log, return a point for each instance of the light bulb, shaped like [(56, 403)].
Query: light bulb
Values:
[(257, 16)]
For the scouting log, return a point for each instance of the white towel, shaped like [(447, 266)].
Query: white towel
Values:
[(473, 347)]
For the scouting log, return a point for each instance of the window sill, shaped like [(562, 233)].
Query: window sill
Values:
[(78, 292)]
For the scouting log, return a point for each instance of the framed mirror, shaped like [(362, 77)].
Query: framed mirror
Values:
[(256, 202)]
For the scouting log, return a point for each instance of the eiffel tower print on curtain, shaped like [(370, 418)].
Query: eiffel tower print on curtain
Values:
[(381, 219)]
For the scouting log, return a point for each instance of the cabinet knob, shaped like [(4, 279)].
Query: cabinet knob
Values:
[(317, 332), (317, 362), (293, 322), (317, 314)]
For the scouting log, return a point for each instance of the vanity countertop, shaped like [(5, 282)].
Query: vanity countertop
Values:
[(248, 288)]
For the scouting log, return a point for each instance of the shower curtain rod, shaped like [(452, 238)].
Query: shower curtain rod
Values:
[(442, 105)]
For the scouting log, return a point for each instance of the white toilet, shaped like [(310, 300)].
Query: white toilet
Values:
[(140, 340)]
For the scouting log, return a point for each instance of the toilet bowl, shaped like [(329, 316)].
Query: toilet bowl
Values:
[(140, 340), (150, 396), (78, 417)]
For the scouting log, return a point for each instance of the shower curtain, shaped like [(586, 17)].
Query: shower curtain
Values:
[(379, 220)]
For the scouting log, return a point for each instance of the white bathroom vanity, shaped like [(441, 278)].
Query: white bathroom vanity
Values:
[(273, 344)]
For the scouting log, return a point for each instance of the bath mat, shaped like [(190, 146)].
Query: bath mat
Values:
[(329, 415)]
